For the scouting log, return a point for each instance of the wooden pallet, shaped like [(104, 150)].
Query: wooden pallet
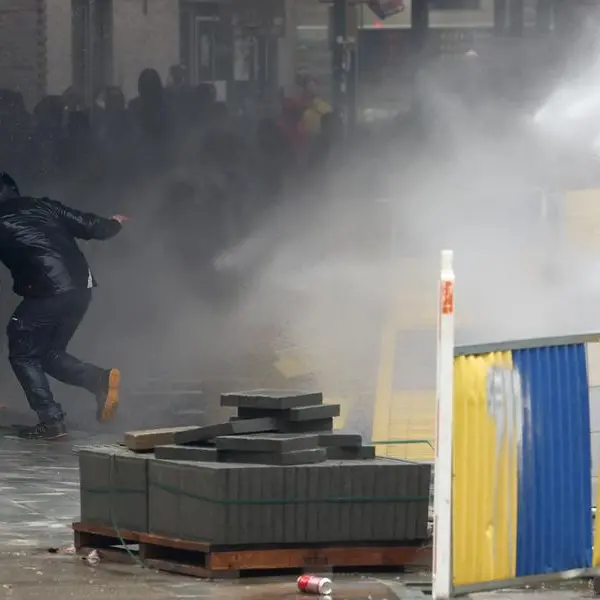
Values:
[(201, 559)]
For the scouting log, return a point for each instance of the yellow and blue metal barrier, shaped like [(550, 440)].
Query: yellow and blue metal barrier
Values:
[(522, 462)]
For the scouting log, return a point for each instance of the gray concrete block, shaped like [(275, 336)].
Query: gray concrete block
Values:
[(302, 413), (340, 440), (260, 521), (302, 509), (164, 497), (258, 512), (370, 508), (247, 517), (94, 475), (326, 511), (397, 481), (271, 399), (401, 491), (197, 453), (290, 475), (233, 511), (268, 442), (298, 457), (335, 490), (232, 504), (357, 514), (129, 503), (276, 490), (222, 483), (221, 504), (200, 454), (318, 426), (424, 489), (356, 453), (346, 511), (194, 502), (314, 507), (113, 487), (209, 432), (362, 510), (412, 505), (385, 509)]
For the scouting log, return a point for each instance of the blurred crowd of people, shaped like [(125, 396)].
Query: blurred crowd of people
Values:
[(178, 140)]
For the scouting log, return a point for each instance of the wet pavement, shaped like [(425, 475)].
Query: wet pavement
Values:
[(39, 499)]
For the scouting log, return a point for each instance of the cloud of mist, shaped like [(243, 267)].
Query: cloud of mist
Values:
[(327, 269), (487, 183)]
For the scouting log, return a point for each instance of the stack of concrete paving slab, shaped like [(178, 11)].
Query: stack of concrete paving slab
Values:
[(271, 428), (113, 483), (274, 474)]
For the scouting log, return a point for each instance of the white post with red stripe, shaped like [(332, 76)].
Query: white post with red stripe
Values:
[(442, 490)]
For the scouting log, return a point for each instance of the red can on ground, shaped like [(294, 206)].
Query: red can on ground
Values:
[(312, 584)]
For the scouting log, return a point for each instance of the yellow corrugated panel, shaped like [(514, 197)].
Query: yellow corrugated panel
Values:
[(485, 479)]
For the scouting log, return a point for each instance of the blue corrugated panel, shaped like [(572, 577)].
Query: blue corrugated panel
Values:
[(554, 526)]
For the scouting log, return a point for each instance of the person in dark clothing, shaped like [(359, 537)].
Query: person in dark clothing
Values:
[(149, 109), (38, 246)]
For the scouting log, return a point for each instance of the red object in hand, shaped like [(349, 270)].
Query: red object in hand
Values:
[(120, 218)]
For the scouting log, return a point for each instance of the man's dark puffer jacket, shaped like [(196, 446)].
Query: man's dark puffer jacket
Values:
[(37, 244)]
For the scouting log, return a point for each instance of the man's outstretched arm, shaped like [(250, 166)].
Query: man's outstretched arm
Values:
[(87, 226)]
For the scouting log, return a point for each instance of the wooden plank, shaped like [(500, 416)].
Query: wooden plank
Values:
[(169, 566), (159, 540), (146, 440), (202, 561), (290, 558), (101, 531)]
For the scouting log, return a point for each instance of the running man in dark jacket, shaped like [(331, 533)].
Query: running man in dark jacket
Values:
[(38, 245)]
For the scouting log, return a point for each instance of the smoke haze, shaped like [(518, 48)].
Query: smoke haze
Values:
[(353, 251)]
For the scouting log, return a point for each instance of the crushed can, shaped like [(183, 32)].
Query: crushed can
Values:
[(312, 584)]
